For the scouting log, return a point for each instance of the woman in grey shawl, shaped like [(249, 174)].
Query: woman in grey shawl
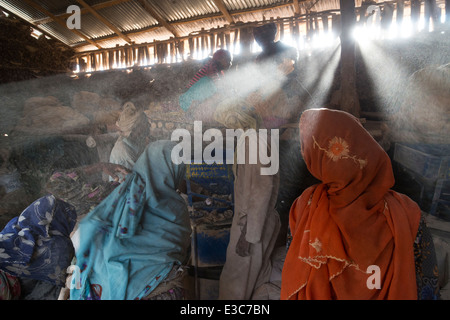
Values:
[(134, 136)]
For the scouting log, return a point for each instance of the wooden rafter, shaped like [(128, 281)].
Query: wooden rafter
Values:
[(296, 5), (105, 21), (158, 18), (223, 8), (82, 11), (61, 22)]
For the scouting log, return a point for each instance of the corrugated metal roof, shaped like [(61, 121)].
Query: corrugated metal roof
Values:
[(56, 6), (61, 33), (22, 10), (234, 5), (183, 9), (94, 28), (128, 16), (159, 22)]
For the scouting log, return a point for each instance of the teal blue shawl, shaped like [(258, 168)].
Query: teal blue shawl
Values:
[(133, 238), (200, 91)]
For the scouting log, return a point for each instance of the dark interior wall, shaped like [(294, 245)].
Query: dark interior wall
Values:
[(24, 57)]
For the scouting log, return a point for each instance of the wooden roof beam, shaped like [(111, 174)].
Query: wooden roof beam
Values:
[(160, 19), (105, 21), (61, 22), (223, 8), (82, 11)]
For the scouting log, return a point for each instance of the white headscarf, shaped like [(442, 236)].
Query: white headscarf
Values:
[(127, 118)]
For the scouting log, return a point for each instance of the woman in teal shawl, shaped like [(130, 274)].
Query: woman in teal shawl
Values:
[(137, 235)]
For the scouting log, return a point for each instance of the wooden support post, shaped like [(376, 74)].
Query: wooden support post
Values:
[(117, 56), (212, 43), (245, 40), (191, 47), (325, 22), (415, 14), (400, 12), (228, 40), (296, 7), (281, 30), (349, 97), (105, 60), (447, 12)]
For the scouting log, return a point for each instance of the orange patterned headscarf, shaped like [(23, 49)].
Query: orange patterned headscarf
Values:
[(351, 220)]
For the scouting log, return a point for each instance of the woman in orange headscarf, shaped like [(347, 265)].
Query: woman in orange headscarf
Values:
[(353, 237)]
